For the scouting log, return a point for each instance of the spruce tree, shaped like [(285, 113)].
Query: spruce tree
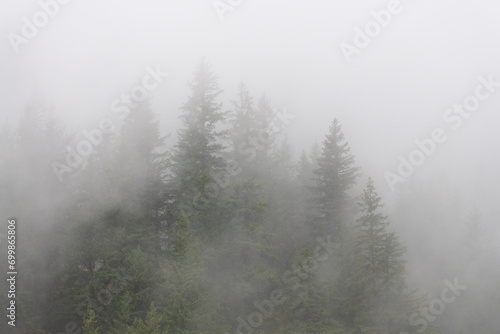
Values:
[(117, 221), (383, 297), (197, 165), (184, 293), (31, 193), (244, 130), (333, 177)]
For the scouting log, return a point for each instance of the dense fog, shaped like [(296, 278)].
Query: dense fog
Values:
[(231, 166)]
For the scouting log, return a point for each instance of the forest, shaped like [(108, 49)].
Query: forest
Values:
[(225, 228)]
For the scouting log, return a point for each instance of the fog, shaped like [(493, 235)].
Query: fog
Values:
[(416, 98)]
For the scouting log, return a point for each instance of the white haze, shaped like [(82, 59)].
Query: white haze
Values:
[(395, 90)]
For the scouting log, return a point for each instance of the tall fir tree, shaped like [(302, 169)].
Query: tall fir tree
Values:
[(184, 293), (197, 163), (334, 176), (243, 132), (379, 295), (34, 198), (116, 223)]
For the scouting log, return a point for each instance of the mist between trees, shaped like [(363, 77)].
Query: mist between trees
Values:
[(76, 158), (229, 231)]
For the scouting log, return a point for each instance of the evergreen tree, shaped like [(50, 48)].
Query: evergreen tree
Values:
[(118, 223), (197, 161), (378, 286), (244, 131), (333, 177), (184, 294), (267, 131), (244, 267), (152, 324), (90, 323), (284, 168), (304, 171), (193, 244), (32, 195), (141, 166)]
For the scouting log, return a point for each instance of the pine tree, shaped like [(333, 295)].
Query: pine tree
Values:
[(304, 171), (374, 237), (383, 300), (284, 168), (333, 177), (141, 165), (197, 162), (245, 267), (284, 209), (117, 220), (31, 193), (90, 323), (267, 131), (184, 295), (244, 130), (152, 324)]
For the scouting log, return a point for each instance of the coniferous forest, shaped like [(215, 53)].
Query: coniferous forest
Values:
[(229, 230)]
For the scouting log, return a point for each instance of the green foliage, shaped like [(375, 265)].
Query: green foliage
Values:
[(188, 302), (152, 325), (189, 241), (90, 323), (333, 177), (196, 162), (377, 282)]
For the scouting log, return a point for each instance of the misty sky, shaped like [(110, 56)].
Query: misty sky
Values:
[(394, 91)]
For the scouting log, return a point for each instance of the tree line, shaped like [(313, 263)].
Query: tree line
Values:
[(221, 233)]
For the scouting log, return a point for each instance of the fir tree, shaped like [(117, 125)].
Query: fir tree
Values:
[(197, 161), (244, 131), (333, 177), (382, 294)]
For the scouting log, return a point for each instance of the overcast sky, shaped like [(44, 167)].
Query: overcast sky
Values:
[(394, 91)]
